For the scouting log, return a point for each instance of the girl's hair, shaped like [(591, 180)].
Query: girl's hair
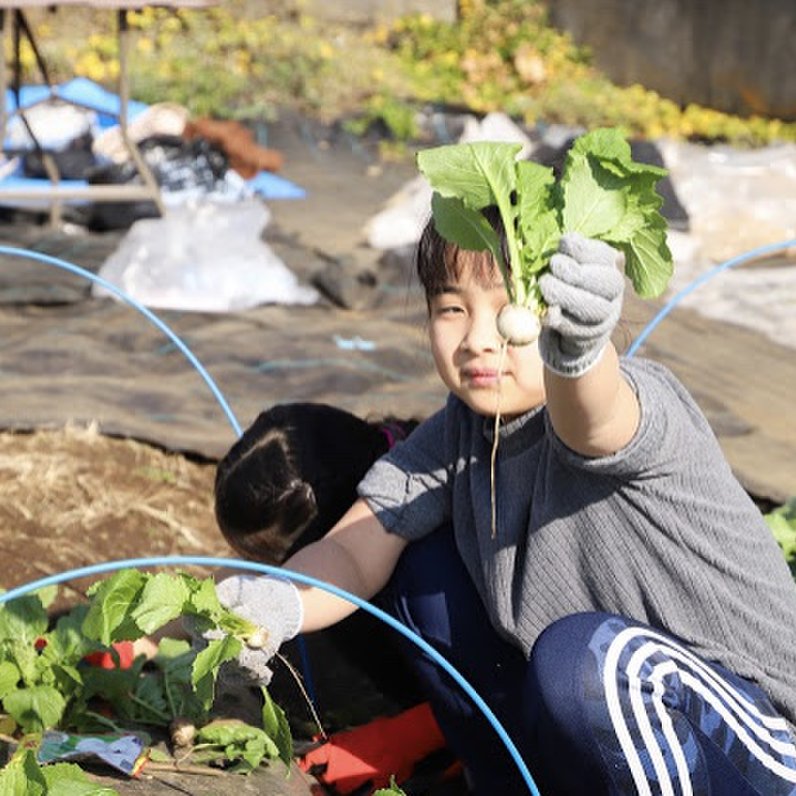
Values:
[(293, 474), (438, 261)]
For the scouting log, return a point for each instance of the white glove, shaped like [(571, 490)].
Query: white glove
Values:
[(583, 290), (274, 605)]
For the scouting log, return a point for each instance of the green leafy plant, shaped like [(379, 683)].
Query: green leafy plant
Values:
[(23, 775), (391, 790), (782, 522), (602, 194), (46, 681)]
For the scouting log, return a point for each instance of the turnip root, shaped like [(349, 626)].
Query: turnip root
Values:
[(518, 325), (258, 639), (183, 732)]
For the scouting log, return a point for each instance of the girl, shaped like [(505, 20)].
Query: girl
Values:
[(625, 610)]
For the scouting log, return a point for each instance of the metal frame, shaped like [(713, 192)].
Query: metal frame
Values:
[(57, 194)]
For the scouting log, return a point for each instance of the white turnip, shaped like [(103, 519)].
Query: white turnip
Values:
[(518, 325), (258, 639)]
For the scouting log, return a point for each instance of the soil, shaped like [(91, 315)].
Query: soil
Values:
[(72, 497)]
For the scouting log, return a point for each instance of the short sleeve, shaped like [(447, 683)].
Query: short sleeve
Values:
[(408, 489)]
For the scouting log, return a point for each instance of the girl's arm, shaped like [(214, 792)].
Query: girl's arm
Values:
[(594, 414), (593, 409), (357, 555)]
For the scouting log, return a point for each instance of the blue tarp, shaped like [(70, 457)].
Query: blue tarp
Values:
[(107, 105)]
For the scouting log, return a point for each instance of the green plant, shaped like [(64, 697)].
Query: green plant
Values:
[(501, 55), (23, 775), (46, 680), (391, 790), (782, 522), (602, 194)]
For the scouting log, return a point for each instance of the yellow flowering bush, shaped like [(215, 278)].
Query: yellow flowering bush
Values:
[(499, 55)]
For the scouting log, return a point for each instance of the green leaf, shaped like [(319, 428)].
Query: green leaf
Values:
[(204, 605), (207, 664), (163, 599), (277, 728), (23, 620), (540, 226), (68, 779), (47, 595), (35, 709), (476, 173), (782, 522), (66, 643), (9, 677), (22, 776), (479, 175), (24, 655), (391, 790), (648, 261), (239, 741), (113, 601), (204, 600), (607, 195), (468, 229)]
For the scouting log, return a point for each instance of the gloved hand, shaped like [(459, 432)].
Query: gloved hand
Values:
[(271, 603), (583, 289)]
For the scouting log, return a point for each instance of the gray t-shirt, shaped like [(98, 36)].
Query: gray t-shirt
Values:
[(660, 531)]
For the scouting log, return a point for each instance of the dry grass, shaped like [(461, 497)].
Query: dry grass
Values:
[(74, 497)]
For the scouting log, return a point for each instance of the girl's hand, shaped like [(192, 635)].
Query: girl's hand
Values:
[(583, 290), (271, 603)]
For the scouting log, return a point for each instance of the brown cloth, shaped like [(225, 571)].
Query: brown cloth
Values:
[(245, 155)]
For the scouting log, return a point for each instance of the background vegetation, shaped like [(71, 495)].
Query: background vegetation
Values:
[(251, 60)]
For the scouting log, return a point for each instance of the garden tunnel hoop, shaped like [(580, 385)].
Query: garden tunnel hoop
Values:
[(298, 577), (418, 641)]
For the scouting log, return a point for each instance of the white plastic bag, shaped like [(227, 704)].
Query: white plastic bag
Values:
[(205, 257)]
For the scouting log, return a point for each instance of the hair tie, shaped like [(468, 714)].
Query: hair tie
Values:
[(394, 433)]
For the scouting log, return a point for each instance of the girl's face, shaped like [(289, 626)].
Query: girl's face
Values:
[(466, 344)]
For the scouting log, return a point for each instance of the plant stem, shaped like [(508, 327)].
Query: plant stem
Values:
[(180, 769), (153, 710)]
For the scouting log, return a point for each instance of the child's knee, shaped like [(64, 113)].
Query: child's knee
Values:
[(562, 667)]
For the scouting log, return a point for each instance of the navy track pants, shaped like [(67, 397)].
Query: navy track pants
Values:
[(604, 706)]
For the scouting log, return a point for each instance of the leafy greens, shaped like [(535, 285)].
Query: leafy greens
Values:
[(603, 193)]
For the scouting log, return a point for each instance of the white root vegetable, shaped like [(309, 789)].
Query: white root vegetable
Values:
[(518, 325), (183, 732), (258, 639)]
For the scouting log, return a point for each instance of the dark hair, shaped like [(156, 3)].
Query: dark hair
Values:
[(437, 259), (293, 474)]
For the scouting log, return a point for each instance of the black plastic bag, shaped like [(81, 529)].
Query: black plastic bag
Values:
[(176, 165)]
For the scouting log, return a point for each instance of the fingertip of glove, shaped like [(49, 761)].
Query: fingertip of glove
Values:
[(588, 250)]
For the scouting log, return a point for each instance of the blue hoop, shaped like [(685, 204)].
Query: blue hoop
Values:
[(298, 577)]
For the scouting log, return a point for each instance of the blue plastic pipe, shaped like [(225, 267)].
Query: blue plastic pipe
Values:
[(265, 569)]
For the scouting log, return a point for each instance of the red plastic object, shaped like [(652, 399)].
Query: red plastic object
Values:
[(105, 660), (376, 751)]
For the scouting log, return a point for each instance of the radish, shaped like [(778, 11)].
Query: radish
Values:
[(258, 639), (183, 732), (518, 325)]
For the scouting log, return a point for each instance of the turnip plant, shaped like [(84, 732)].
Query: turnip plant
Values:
[(47, 679), (603, 193)]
